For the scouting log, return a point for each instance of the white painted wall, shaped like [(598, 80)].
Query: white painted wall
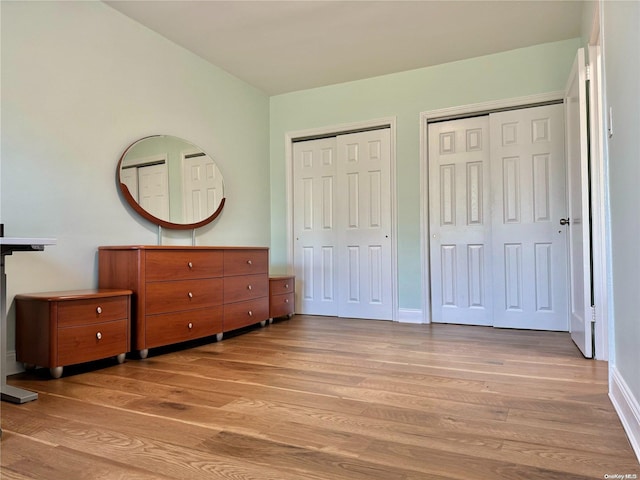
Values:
[(80, 82), (621, 34)]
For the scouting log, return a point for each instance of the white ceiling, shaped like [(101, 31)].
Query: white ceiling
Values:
[(284, 46)]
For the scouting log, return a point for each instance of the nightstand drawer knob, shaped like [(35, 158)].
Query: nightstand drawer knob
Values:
[(99, 310), (286, 285), (99, 336), (190, 295), (250, 313), (190, 325), (249, 262), (190, 265), (249, 287), (286, 300)]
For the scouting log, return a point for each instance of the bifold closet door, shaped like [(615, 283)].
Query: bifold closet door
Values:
[(528, 200), (497, 193), (364, 219), (342, 225), (314, 225), (460, 222)]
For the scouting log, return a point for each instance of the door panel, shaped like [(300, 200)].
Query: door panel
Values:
[(364, 219), (528, 199), (578, 197), (153, 189), (203, 189), (460, 229), (316, 238)]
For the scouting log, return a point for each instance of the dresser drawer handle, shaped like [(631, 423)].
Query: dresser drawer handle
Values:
[(190, 295), (190, 265), (99, 336), (286, 285), (286, 300), (190, 325), (249, 262), (250, 313), (99, 310), (249, 287)]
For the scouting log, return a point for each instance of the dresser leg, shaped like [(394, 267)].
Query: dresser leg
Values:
[(219, 336), (56, 372), (143, 353), (263, 323), (270, 320), (120, 357)]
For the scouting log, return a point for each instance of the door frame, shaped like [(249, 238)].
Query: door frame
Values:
[(598, 201), (338, 129)]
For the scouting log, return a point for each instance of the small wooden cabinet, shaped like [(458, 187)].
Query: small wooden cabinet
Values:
[(281, 296), (185, 293), (56, 329)]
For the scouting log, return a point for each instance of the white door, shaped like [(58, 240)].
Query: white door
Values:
[(364, 225), (460, 221), (129, 176), (342, 225), (528, 200), (153, 190), (203, 190), (578, 198), (314, 219)]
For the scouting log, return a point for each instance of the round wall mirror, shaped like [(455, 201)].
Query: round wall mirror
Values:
[(171, 182)]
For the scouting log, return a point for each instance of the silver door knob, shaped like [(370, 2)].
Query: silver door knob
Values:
[(564, 221)]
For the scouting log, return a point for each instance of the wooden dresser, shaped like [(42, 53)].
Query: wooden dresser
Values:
[(56, 329), (184, 293)]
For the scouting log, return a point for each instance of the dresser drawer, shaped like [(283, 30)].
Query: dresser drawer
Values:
[(92, 342), (246, 262), (92, 310), (278, 285), (162, 297), (241, 314), (183, 264), (245, 287), (281, 305), (182, 326)]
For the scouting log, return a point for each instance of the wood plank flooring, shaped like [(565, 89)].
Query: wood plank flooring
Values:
[(324, 398)]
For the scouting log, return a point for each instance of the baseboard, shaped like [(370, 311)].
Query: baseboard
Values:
[(627, 407), (410, 315), (12, 365)]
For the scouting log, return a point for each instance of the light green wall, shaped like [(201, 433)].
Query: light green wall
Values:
[(527, 71), (621, 31), (80, 83)]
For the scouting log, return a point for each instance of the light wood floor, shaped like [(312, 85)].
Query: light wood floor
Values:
[(326, 398)]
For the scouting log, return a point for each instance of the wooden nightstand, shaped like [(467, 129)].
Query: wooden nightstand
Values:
[(281, 296), (55, 329)]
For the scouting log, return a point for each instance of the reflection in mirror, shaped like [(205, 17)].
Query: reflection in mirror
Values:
[(171, 182)]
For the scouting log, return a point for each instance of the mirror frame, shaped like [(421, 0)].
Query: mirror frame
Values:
[(152, 218)]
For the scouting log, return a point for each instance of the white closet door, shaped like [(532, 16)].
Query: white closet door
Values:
[(364, 219), (203, 190), (314, 219), (528, 201), (153, 190), (460, 221)]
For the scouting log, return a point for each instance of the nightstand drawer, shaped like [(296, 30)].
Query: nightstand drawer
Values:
[(92, 342), (94, 310)]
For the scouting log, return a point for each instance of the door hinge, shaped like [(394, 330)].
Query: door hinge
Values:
[(587, 71), (593, 314)]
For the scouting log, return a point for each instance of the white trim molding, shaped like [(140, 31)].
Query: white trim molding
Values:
[(627, 407), (410, 315)]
